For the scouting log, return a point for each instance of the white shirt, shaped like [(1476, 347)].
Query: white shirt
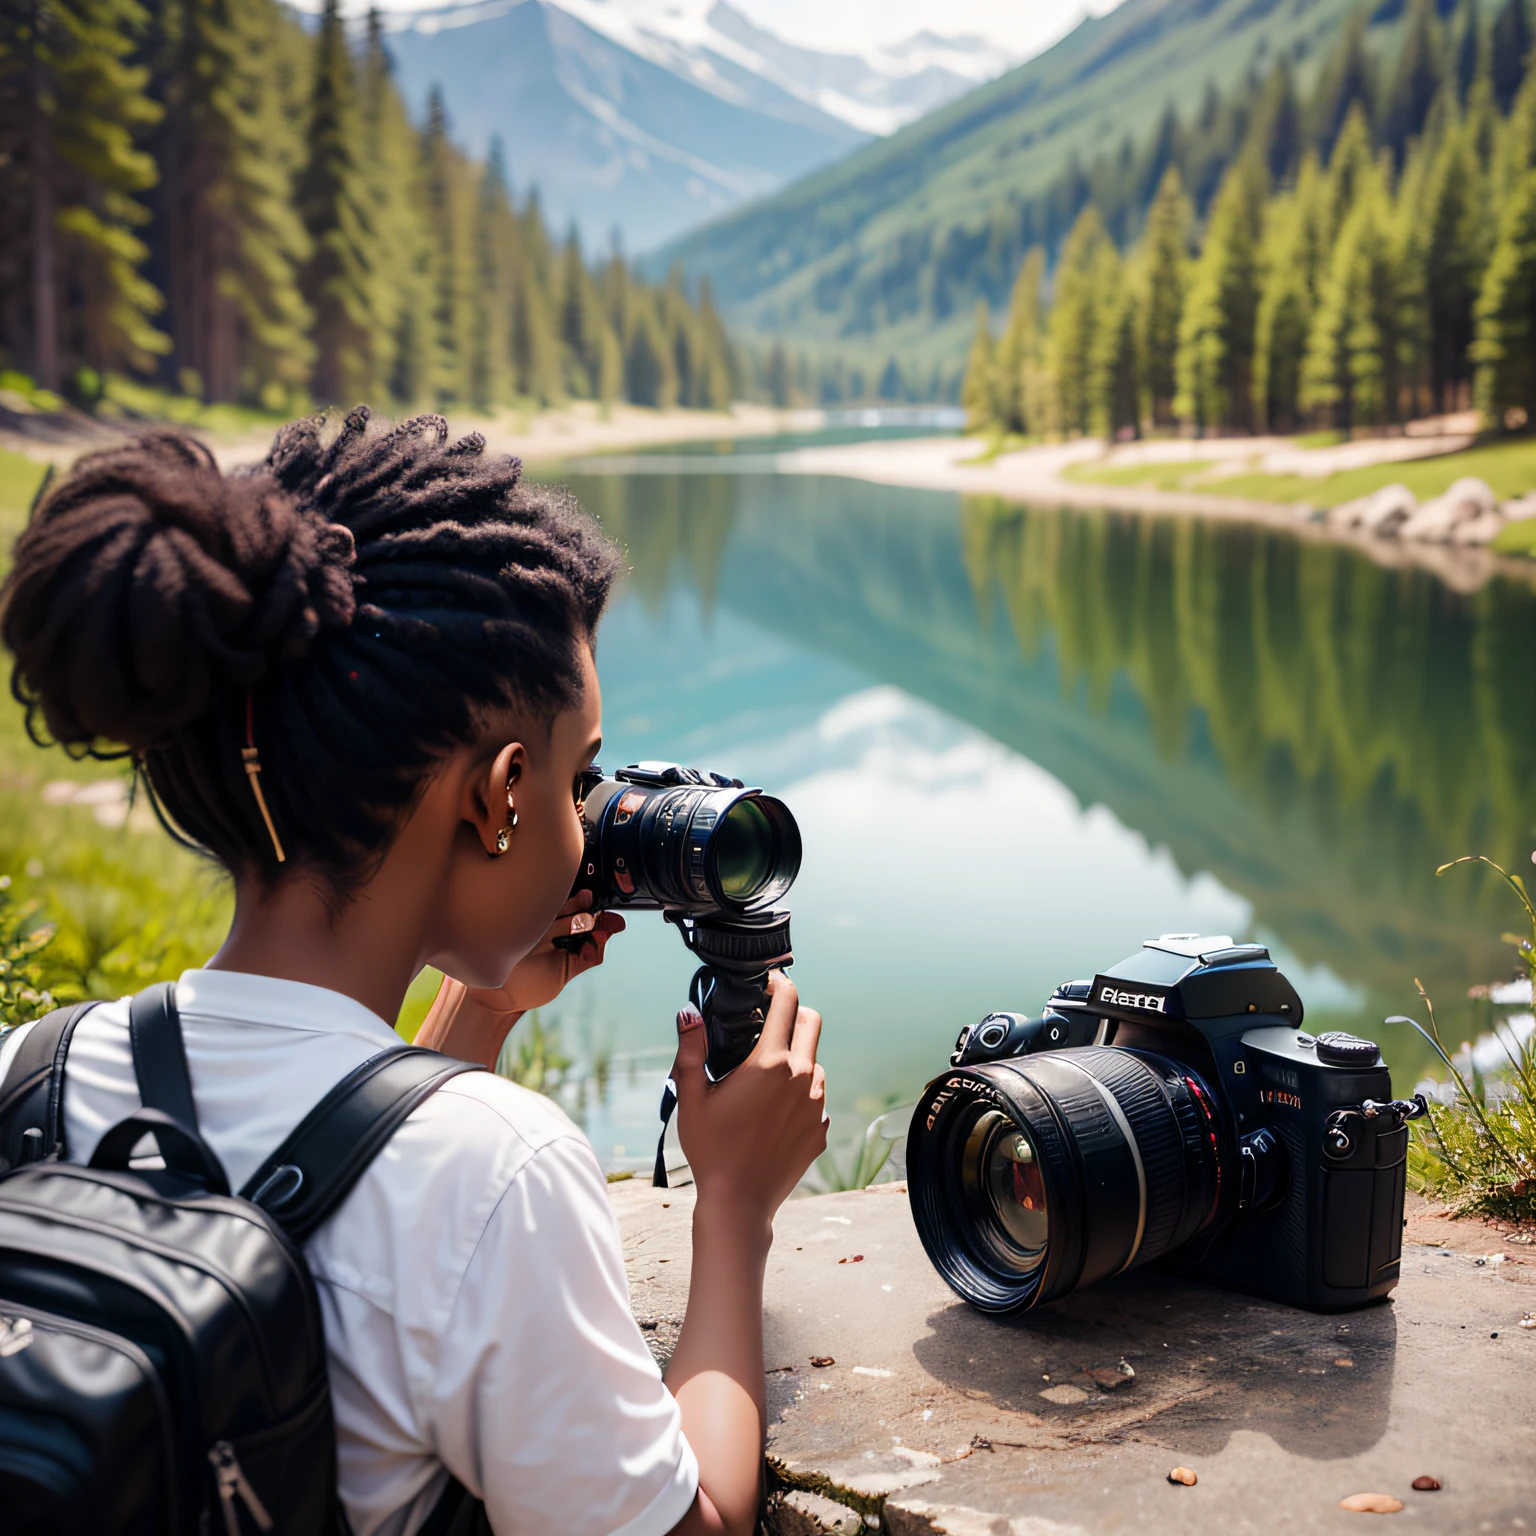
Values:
[(476, 1308)]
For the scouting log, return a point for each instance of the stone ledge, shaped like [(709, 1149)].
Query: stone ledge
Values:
[(934, 1419)]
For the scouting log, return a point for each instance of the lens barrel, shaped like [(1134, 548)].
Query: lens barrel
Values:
[(1032, 1177), (701, 846)]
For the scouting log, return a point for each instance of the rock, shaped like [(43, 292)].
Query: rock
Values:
[(1467, 499), (1426, 1484), (798, 1513), (1183, 1475), (1518, 510), (1482, 529), (1380, 512), (1371, 1504)]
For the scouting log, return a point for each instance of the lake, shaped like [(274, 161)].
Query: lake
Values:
[(1020, 741)]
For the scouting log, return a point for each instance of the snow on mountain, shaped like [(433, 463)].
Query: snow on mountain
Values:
[(649, 116)]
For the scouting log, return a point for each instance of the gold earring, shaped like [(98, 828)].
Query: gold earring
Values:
[(503, 839), (511, 809)]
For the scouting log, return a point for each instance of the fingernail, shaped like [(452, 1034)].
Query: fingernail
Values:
[(689, 1018), (583, 922)]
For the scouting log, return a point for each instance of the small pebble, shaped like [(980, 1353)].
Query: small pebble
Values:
[(1528, 1321), (1183, 1475), (1426, 1484), (822, 1360), (1371, 1504)]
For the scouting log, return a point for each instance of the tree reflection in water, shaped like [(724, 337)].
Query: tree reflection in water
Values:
[(1316, 731)]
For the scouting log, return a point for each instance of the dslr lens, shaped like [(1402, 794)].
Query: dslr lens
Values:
[(1006, 1189), (743, 844), (1033, 1176)]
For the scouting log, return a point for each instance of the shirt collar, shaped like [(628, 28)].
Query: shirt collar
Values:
[(239, 996)]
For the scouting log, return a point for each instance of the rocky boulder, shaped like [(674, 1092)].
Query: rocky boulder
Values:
[(1469, 500), (1382, 511)]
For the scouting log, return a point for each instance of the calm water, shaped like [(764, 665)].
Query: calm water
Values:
[(1020, 741)]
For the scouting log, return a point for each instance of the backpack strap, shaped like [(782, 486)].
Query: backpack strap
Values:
[(32, 1095), (159, 1057), (314, 1169)]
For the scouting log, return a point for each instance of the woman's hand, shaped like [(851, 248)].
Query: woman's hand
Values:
[(472, 1023), (750, 1138)]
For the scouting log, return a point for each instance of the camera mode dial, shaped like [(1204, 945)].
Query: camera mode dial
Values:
[(1340, 1049)]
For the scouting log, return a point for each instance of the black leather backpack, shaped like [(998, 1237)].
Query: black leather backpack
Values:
[(162, 1358)]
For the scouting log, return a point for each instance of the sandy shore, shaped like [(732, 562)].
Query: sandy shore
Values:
[(1036, 476), (538, 437)]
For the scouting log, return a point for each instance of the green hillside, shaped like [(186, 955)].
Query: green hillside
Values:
[(885, 253)]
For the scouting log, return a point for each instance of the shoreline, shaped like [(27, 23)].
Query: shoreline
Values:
[(542, 438), (1035, 477)]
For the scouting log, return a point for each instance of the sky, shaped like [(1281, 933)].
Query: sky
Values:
[(1023, 27)]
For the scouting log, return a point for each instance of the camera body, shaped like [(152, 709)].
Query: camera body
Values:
[(1298, 1192)]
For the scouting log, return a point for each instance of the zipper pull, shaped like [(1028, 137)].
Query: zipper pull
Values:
[(232, 1484)]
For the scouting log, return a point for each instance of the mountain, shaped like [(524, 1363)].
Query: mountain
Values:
[(650, 116), (883, 254)]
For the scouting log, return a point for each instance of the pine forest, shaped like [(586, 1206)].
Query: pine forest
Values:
[(1366, 255), (209, 195)]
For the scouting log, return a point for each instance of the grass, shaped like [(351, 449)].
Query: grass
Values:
[(1158, 477), (124, 398), (1509, 467), (19, 480), (1479, 1150)]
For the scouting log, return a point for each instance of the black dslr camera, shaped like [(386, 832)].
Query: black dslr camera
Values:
[(712, 856), (1170, 1108)]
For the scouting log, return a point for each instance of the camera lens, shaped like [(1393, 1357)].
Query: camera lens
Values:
[(1005, 1186), (696, 846), (1034, 1176), (743, 845)]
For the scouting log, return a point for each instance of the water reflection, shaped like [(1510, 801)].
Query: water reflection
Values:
[(1019, 741)]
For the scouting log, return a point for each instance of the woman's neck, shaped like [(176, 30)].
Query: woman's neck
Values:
[(368, 950)]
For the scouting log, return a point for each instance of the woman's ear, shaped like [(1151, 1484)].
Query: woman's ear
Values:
[(490, 796)]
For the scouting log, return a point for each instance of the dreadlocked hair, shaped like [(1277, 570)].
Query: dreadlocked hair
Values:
[(356, 604)]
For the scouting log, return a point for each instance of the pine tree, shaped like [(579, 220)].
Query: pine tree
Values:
[(1510, 51), (449, 343), (1352, 163), (719, 374), (1420, 68), (1076, 318), (235, 243), (490, 296), (1354, 368), (72, 124), (1453, 218), (1505, 349), (1117, 381), (1278, 127), (1292, 253), (1470, 50), (337, 280), (1018, 359), (1348, 83), (1216, 333), (1166, 256), (978, 394)]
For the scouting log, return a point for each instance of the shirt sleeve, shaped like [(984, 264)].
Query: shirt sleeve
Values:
[(547, 1403)]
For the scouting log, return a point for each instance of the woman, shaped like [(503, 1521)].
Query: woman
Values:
[(360, 678)]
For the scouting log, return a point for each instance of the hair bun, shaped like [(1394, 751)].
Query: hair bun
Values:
[(147, 579)]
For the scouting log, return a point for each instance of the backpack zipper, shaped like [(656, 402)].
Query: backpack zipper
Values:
[(233, 1484)]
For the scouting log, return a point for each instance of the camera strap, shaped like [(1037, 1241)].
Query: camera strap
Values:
[(668, 1104)]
